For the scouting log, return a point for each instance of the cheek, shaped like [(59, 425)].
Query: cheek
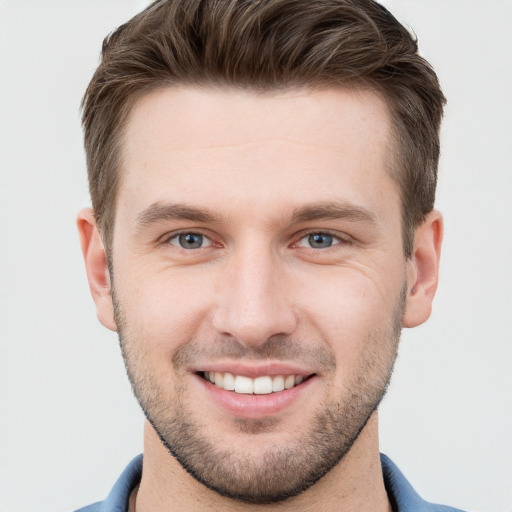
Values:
[(350, 310), (162, 309)]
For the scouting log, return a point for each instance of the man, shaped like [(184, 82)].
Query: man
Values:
[(263, 178)]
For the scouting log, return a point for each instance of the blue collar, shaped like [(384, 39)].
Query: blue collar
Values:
[(402, 496)]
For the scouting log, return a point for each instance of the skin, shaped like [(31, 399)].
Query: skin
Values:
[(269, 170)]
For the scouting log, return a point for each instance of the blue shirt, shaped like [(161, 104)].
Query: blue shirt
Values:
[(402, 496)]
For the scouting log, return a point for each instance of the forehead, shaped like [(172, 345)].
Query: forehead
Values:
[(263, 149)]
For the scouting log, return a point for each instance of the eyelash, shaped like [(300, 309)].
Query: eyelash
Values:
[(337, 239), (176, 236)]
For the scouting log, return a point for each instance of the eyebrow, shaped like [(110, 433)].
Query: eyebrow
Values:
[(323, 211), (158, 212)]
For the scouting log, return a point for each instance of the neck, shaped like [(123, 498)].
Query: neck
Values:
[(355, 484)]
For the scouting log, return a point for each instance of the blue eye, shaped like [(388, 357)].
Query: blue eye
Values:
[(190, 240), (319, 240)]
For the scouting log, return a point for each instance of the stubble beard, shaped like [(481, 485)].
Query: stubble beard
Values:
[(280, 472)]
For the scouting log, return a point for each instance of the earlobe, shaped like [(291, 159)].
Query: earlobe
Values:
[(96, 266), (423, 270)]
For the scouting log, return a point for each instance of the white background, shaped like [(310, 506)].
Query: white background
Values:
[(68, 422)]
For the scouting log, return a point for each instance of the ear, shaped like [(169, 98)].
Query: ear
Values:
[(96, 267), (423, 269)]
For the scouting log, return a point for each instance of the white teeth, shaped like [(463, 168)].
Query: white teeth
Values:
[(219, 379), (229, 381), (278, 383), (243, 385), (259, 386), (289, 382), (262, 385)]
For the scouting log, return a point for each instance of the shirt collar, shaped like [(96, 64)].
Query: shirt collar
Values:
[(400, 492)]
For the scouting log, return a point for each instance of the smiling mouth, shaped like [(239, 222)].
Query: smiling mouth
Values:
[(263, 385)]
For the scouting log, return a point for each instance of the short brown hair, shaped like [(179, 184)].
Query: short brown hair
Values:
[(266, 45)]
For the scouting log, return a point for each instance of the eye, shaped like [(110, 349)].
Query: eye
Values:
[(190, 240), (319, 240)]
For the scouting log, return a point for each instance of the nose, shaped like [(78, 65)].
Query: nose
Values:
[(254, 298)]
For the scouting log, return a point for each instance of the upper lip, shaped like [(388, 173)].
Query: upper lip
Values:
[(254, 370)]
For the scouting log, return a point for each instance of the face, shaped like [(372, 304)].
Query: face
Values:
[(258, 279)]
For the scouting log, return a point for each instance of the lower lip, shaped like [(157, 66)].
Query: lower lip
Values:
[(256, 406)]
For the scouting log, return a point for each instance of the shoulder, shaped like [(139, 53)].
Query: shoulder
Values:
[(402, 495), (117, 500), (95, 507)]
